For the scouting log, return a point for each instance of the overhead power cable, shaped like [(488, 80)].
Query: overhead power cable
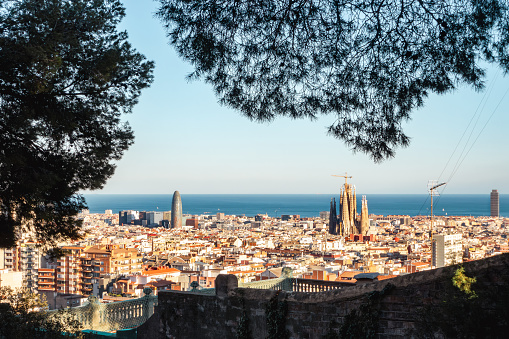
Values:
[(467, 147)]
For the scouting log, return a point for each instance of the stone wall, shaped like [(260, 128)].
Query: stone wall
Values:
[(423, 304)]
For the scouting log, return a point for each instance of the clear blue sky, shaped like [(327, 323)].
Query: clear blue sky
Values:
[(186, 141)]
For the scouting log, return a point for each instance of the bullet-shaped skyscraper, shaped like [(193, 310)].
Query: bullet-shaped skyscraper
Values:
[(176, 211)]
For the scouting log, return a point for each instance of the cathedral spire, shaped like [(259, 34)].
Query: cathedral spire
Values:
[(348, 222)]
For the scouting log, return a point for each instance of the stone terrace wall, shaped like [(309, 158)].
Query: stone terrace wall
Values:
[(405, 306)]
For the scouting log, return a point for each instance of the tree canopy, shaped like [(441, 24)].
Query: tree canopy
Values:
[(22, 316), (368, 63), (66, 77)]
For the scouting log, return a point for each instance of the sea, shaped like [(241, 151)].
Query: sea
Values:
[(305, 205)]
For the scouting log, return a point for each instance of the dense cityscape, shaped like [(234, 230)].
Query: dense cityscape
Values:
[(122, 254), (92, 245)]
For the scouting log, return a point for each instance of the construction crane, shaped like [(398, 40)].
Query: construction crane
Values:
[(343, 176)]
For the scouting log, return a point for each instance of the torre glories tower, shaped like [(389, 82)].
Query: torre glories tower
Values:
[(176, 211)]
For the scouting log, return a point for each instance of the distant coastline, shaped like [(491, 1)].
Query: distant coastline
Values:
[(306, 205)]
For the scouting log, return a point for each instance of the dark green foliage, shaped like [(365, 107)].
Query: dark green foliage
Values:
[(275, 313), (66, 76), (369, 63), (460, 315), (20, 318)]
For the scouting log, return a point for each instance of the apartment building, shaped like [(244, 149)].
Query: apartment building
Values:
[(7, 258), (125, 261), (28, 262), (447, 250), (109, 260), (95, 262), (25, 258), (68, 270), (47, 279)]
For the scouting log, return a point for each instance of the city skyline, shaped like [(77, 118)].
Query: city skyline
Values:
[(215, 150)]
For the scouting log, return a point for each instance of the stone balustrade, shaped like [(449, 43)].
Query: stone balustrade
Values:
[(113, 316), (311, 285), (286, 283), (283, 283)]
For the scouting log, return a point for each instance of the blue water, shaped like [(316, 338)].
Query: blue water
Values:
[(306, 205)]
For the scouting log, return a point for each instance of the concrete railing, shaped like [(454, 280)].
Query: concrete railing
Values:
[(277, 284), (282, 284), (114, 316), (311, 285), (294, 284)]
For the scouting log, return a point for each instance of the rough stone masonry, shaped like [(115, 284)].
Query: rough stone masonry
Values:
[(426, 304)]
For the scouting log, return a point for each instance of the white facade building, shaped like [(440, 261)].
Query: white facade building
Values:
[(447, 250), (10, 278)]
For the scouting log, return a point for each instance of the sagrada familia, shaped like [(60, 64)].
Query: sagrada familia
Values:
[(348, 222)]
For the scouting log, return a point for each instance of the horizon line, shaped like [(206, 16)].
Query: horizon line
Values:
[(100, 193)]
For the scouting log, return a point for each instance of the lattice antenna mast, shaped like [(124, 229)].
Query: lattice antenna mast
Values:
[(432, 186)]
